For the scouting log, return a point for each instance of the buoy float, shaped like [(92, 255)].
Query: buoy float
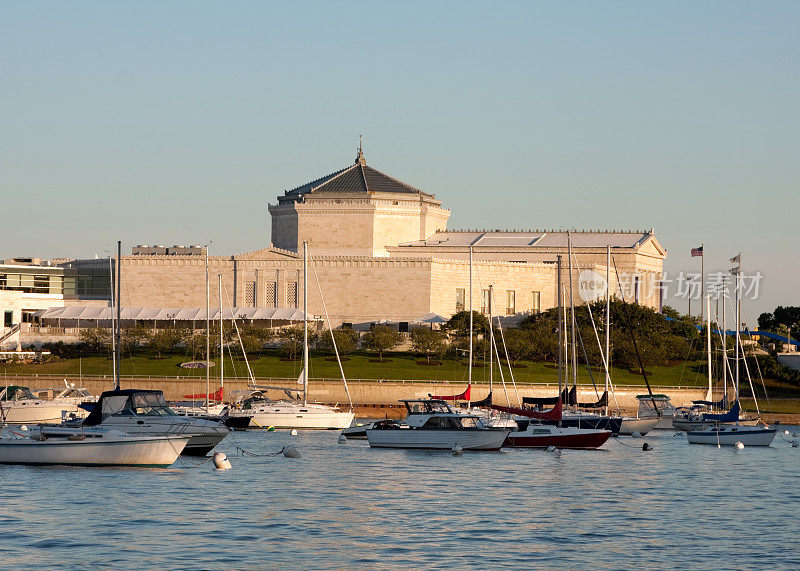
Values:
[(786, 432), (221, 461), (739, 445), (646, 447), (342, 439), (291, 452), (23, 427), (457, 449), (293, 432), (551, 448), (795, 443), (636, 434), (270, 429)]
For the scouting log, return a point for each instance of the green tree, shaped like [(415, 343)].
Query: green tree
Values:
[(346, 341), (382, 338), (96, 339), (426, 340), (291, 340), (459, 323), (165, 340), (133, 338)]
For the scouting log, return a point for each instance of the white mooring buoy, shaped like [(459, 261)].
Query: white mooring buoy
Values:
[(342, 439), (786, 432), (291, 452), (739, 445), (221, 461), (551, 448), (23, 427), (636, 434), (293, 432), (457, 449)]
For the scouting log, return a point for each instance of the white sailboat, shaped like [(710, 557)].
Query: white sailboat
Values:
[(305, 415), (735, 433)]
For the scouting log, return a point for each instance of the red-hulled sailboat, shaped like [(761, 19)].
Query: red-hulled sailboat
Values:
[(535, 435)]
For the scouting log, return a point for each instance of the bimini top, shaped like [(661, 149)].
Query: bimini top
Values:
[(128, 402)]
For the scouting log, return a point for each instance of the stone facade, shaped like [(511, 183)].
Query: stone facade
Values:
[(381, 251)]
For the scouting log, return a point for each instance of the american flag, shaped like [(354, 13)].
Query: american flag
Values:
[(697, 252)]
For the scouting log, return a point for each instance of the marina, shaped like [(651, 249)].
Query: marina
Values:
[(346, 506)]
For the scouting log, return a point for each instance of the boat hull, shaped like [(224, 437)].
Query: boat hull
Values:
[(203, 435), (126, 451), (640, 425), (436, 439), (699, 425), (558, 437), (305, 420), (37, 412), (729, 436)]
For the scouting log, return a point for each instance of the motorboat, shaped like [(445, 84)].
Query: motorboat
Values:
[(433, 424), (731, 434), (657, 406), (90, 447), (139, 411), (633, 424), (18, 405), (265, 413)]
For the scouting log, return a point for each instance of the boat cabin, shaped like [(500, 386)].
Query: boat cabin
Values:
[(16, 393), (128, 402)]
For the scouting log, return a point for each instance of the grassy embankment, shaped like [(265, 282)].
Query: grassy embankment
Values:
[(359, 366)]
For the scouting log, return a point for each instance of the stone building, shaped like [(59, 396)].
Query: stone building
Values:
[(381, 251)]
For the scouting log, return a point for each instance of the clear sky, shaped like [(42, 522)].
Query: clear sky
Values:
[(177, 122)]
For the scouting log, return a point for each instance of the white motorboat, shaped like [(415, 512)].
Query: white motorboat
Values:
[(18, 405), (632, 424), (663, 410), (138, 411), (432, 424), (286, 414), (730, 434), (90, 447)]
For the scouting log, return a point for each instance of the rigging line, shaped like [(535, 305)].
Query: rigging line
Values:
[(633, 337), (588, 366), (333, 338), (239, 335), (746, 368), (500, 368), (508, 361), (763, 385)]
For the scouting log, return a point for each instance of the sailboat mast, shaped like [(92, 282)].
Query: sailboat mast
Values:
[(572, 318), (208, 333), (724, 348), (491, 339), (221, 350), (305, 323), (113, 324), (118, 364), (560, 346), (469, 370), (608, 320), (738, 317), (708, 340)]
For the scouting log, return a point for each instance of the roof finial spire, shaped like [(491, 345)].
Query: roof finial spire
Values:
[(360, 160)]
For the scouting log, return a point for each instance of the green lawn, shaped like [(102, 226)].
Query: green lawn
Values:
[(358, 366)]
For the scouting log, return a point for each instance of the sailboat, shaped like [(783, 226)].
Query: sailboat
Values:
[(289, 414), (734, 434), (89, 445)]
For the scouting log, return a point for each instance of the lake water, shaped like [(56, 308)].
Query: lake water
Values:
[(346, 506)]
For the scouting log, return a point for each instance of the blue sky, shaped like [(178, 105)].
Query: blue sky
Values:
[(177, 122)]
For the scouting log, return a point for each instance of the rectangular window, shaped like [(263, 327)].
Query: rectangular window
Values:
[(536, 302), (9, 319), (271, 299), (291, 294), (485, 301), (460, 294), (3, 281), (511, 302), (250, 294), (636, 289), (41, 284)]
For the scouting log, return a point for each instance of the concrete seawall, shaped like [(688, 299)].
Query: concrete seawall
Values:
[(363, 393)]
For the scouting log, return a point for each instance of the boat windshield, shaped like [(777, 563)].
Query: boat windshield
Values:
[(151, 404), (13, 393)]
